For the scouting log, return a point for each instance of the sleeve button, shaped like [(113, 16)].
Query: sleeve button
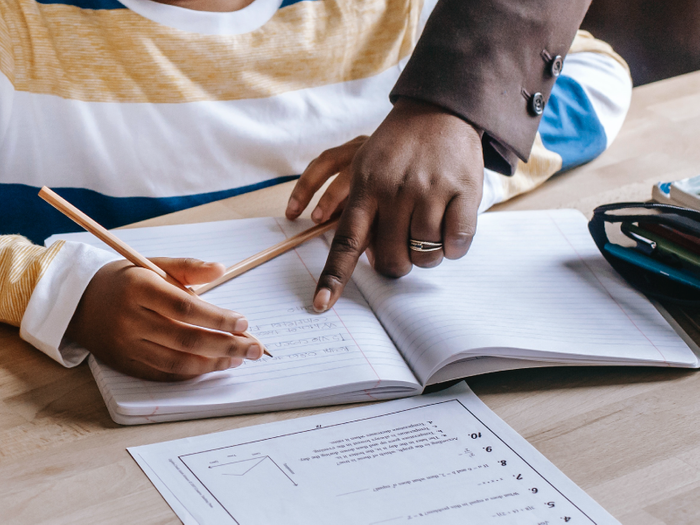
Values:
[(556, 65), (537, 103)]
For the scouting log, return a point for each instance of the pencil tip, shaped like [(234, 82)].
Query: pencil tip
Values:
[(267, 353)]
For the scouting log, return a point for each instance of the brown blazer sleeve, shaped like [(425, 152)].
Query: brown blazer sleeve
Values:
[(493, 63)]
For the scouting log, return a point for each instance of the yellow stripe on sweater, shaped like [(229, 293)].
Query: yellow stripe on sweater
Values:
[(22, 265), (528, 175), (120, 56)]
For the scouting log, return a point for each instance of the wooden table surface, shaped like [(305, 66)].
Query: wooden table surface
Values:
[(630, 437)]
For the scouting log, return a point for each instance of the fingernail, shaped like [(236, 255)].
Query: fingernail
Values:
[(254, 352), (293, 205), (235, 362), (322, 300), (241, 325), (460, 239), (317, 215), (207, 264)]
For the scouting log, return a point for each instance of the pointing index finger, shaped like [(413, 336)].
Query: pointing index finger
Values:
[(351, 239)]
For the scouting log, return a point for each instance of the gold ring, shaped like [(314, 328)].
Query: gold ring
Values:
[(424, 246)]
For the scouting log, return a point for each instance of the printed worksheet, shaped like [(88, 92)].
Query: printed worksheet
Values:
[(437, 459)]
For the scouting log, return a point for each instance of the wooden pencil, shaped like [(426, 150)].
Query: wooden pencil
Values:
[(267, 254), (116, 243), (107, 237)]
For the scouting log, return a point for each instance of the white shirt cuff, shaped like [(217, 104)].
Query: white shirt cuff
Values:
[(493, 191), (56, 297)]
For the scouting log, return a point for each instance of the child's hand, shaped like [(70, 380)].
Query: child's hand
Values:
[(139, 324)]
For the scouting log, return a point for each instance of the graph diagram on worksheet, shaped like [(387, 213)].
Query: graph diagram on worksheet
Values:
[(234, 476), (262, 467)]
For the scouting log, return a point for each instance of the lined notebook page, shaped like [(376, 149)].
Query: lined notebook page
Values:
[(532, 286), (326, 352)]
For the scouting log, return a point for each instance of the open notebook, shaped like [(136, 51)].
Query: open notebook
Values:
[(533, 291)]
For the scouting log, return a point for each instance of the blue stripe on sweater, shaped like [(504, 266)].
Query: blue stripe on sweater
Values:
[(286, 3), (114, 4), (570, 126), (23, 212), (87, 4)]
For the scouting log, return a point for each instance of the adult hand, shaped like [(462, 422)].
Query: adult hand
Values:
[(336, 160), (419, 176), (139, 324)]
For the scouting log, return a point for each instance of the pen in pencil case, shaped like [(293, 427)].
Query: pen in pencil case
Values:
[(681, 238), (657, 266), (662, 249), (116, 243)]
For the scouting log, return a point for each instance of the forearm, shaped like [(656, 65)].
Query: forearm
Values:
[(40, 289), (587, 108), (485, 60)]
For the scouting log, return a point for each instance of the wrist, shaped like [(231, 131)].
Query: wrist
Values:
[(416, 106)]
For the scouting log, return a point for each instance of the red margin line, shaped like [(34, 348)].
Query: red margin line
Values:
[(379, 380)]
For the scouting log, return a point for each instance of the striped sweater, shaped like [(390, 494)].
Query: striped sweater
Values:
[(132, 109)]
